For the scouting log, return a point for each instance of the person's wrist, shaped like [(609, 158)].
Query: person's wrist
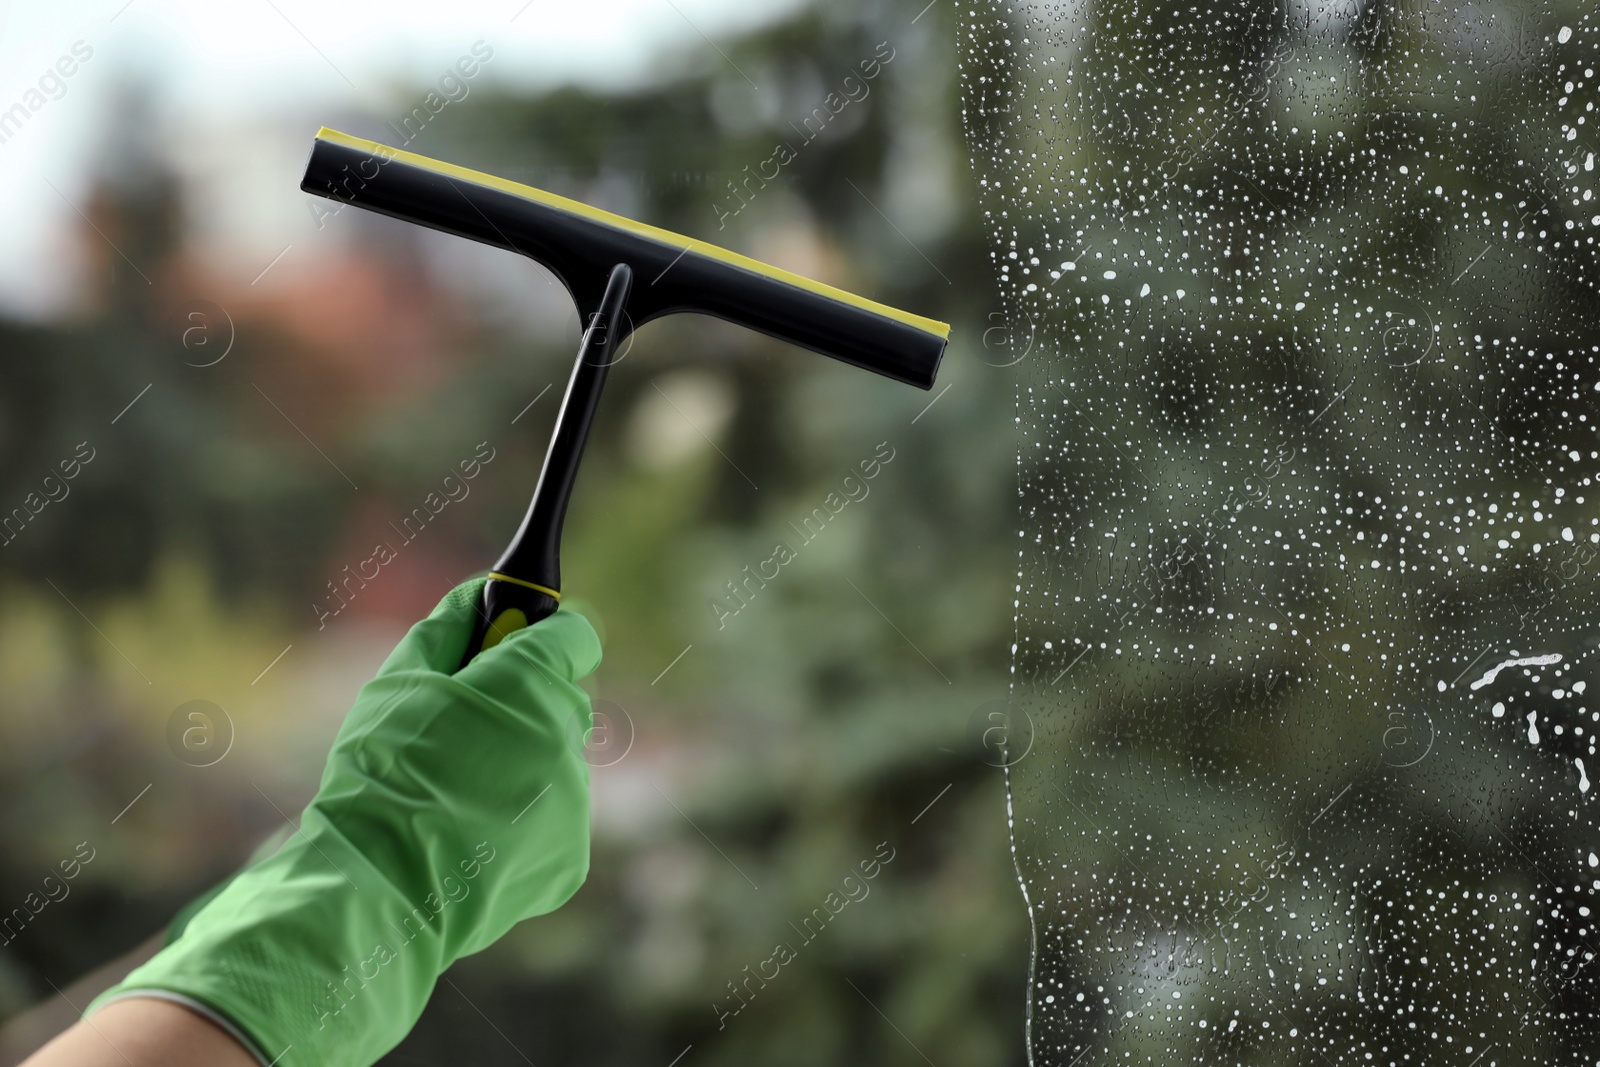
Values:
[(260, 954)]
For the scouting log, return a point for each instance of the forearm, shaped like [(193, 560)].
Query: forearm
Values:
[(25, 1033), (143, 1032)]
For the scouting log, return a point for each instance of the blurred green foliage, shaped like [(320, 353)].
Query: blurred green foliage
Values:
[(1310, 450), (778, 751)]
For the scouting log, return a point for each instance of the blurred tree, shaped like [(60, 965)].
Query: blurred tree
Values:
[(823, 725), (1314, 288)]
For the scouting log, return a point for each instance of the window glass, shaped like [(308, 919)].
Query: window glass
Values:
[(1302, 299)]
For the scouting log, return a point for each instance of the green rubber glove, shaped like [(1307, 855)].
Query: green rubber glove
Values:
[(453, 806), (270, 844)]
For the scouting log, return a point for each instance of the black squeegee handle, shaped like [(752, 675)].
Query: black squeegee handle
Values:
[(525, 584)]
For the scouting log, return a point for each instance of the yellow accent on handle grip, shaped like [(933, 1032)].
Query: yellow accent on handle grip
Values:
[(504, 625), (496, 576)]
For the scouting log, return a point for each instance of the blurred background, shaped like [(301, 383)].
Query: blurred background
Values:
[(219, 395), (1307, 591)]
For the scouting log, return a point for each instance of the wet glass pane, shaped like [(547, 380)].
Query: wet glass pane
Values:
[(1302, 302)]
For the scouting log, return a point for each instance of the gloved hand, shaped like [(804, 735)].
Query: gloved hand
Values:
[(453, 806)]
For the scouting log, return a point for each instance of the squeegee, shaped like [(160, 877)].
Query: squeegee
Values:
[(620, 274)]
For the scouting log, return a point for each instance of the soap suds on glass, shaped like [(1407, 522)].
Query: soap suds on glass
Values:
[(1308, 555)]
